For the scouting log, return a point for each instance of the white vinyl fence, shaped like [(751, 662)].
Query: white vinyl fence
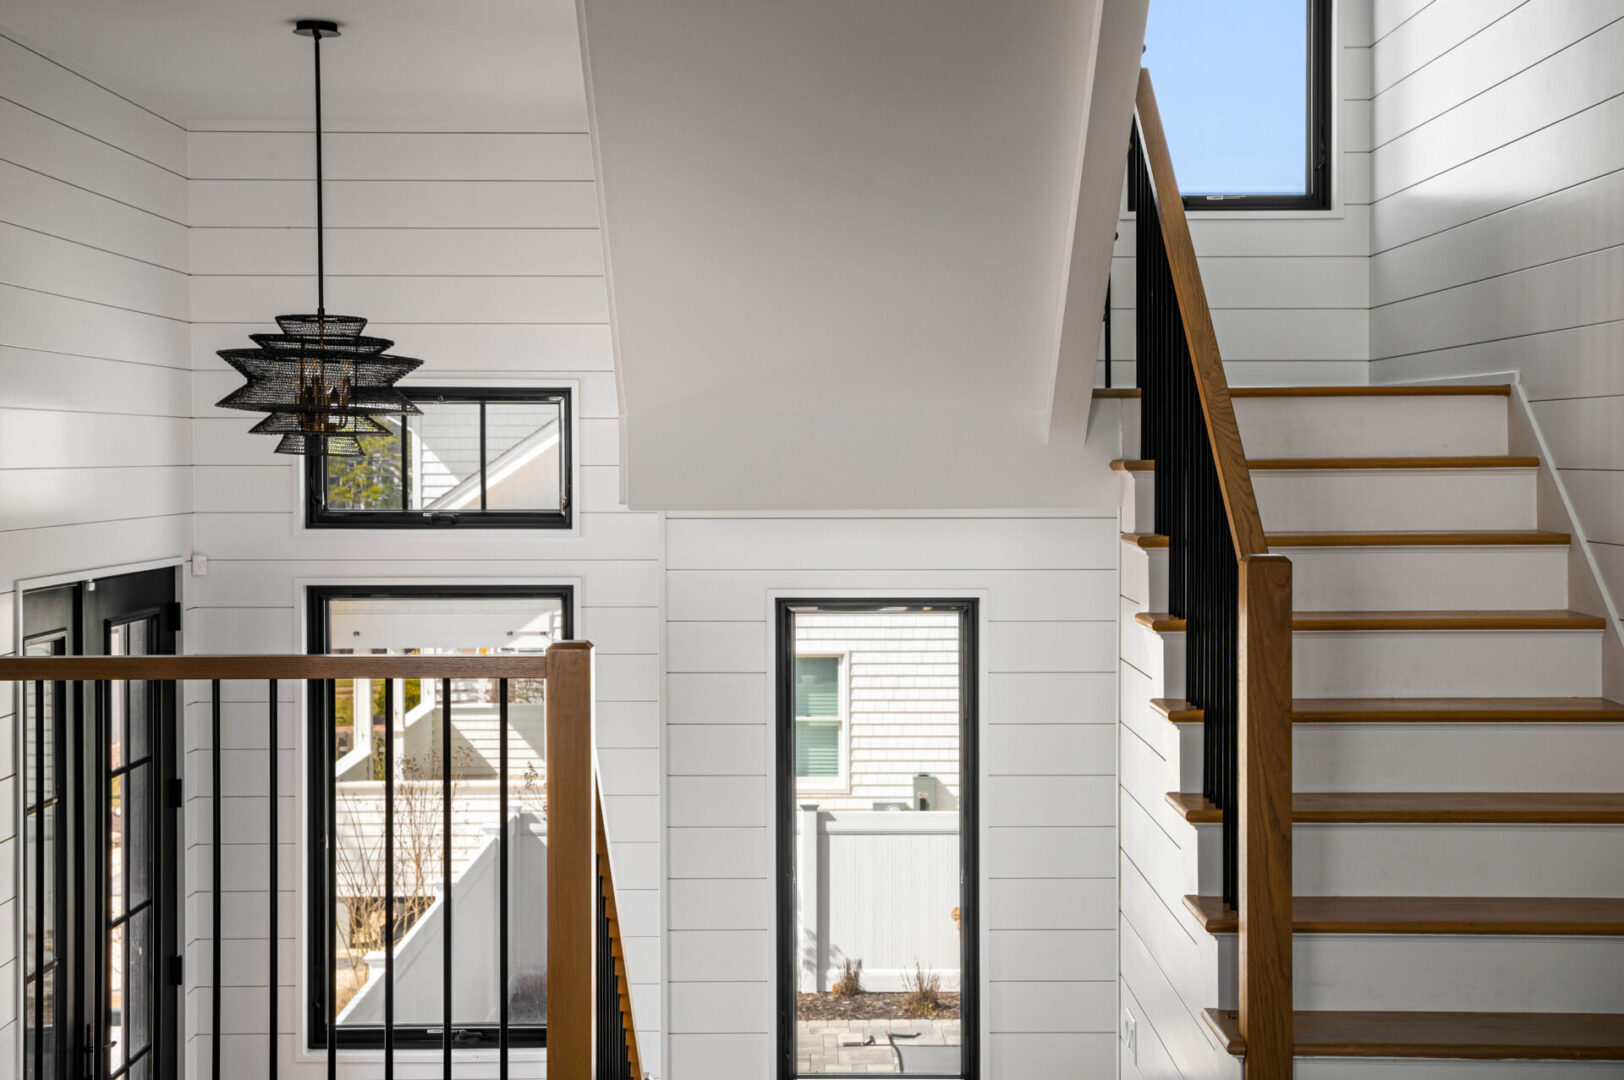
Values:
[(475, 915), (880, 887)]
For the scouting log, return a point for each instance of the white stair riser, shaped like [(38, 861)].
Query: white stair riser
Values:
[(1372, 500), (1372, 427), (1428, 578), (1467, 973), (1460, 578), (1442, 860), (1440, 757), (1276, 427), (1368, 500), (1418, 663)]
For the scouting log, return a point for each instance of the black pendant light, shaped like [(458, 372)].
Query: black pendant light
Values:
[(323, 383)]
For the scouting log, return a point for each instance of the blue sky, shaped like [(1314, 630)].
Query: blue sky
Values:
[(1230, 80)]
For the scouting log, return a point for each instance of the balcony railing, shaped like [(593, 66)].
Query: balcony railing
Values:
[(589, 1028)]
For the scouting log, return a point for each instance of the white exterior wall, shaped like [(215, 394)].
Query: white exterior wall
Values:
[(1047, 586), (478, 252), (902, 699), (1497, 236), (94, 439), (1289, 290)]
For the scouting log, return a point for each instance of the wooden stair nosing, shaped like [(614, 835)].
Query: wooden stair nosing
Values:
[(1512, 915), (1582, 710), (1481, 390), (1319, 621), (1486, 1036), (1488, 461), (1429, 807), (1461, 538)]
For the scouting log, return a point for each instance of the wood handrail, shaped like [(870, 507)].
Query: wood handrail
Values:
[(1234, 478), (1261, 750), (270, 666), (623, 988)]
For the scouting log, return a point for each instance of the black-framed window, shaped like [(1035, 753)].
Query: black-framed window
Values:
[(477, 457), (877, 880), (1245, 96), (346, 773)]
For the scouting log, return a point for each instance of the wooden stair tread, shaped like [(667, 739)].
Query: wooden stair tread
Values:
[(1430, 807), (1163, 623), (1598, 916), (1494, 461), (1464, 538), (1487, 390), (1579, 710), (1487, 1036)]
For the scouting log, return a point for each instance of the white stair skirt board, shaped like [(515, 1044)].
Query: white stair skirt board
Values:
[(1447, 973), (1456, 426), (1367, 500), (1442, 860), (1465, 577), (1440, 757), (1416, 663)]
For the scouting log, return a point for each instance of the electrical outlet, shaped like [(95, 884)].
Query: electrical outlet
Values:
[(1130, 1035)]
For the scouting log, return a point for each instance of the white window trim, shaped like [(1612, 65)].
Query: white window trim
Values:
[(839, 784)]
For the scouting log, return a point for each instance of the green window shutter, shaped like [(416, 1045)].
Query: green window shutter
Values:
[(817, 686), (817, 748)]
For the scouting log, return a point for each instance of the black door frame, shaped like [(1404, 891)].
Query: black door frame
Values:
[(784, 790), (81, 616)]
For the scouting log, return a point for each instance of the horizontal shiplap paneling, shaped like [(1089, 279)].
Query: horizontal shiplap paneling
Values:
[(480, 254), (1496, 231), (1047, 643)]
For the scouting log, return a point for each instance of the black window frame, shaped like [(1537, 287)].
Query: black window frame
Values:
[(1318, 148), (318, 515), (785, 797), (319, 773)]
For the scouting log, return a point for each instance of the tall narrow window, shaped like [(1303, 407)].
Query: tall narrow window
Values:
[(440, 744), (876, 838), (1261, 142)]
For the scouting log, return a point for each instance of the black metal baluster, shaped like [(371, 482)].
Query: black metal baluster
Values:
[(445, 848), (330, 737), (215, 876), (389, 879), (502, 856), (39, 873), (271, 889)]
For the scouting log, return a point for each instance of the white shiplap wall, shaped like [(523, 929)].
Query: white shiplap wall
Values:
[(94, 441), (1047, 587), (1498, 228), (478, 252), (1289, 291)]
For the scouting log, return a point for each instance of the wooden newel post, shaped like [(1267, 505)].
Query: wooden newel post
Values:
[(1265, 816), (572, 864)]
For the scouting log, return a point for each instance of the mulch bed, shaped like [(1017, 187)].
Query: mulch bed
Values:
[(869, 1007)]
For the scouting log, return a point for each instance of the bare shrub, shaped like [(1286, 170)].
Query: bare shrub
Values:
[(923, 992), (850, 983)]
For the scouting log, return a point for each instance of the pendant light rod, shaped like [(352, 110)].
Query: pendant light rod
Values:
[(316, 29)]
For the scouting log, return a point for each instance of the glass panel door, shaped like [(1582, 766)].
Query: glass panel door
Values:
[(44, 867)]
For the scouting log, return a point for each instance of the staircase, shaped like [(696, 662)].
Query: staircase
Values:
[(1457, 807)]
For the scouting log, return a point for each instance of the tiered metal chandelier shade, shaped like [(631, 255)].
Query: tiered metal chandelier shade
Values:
[(321, 381)]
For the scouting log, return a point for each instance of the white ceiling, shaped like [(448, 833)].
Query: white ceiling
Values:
[(840, 236), (465, 65)]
